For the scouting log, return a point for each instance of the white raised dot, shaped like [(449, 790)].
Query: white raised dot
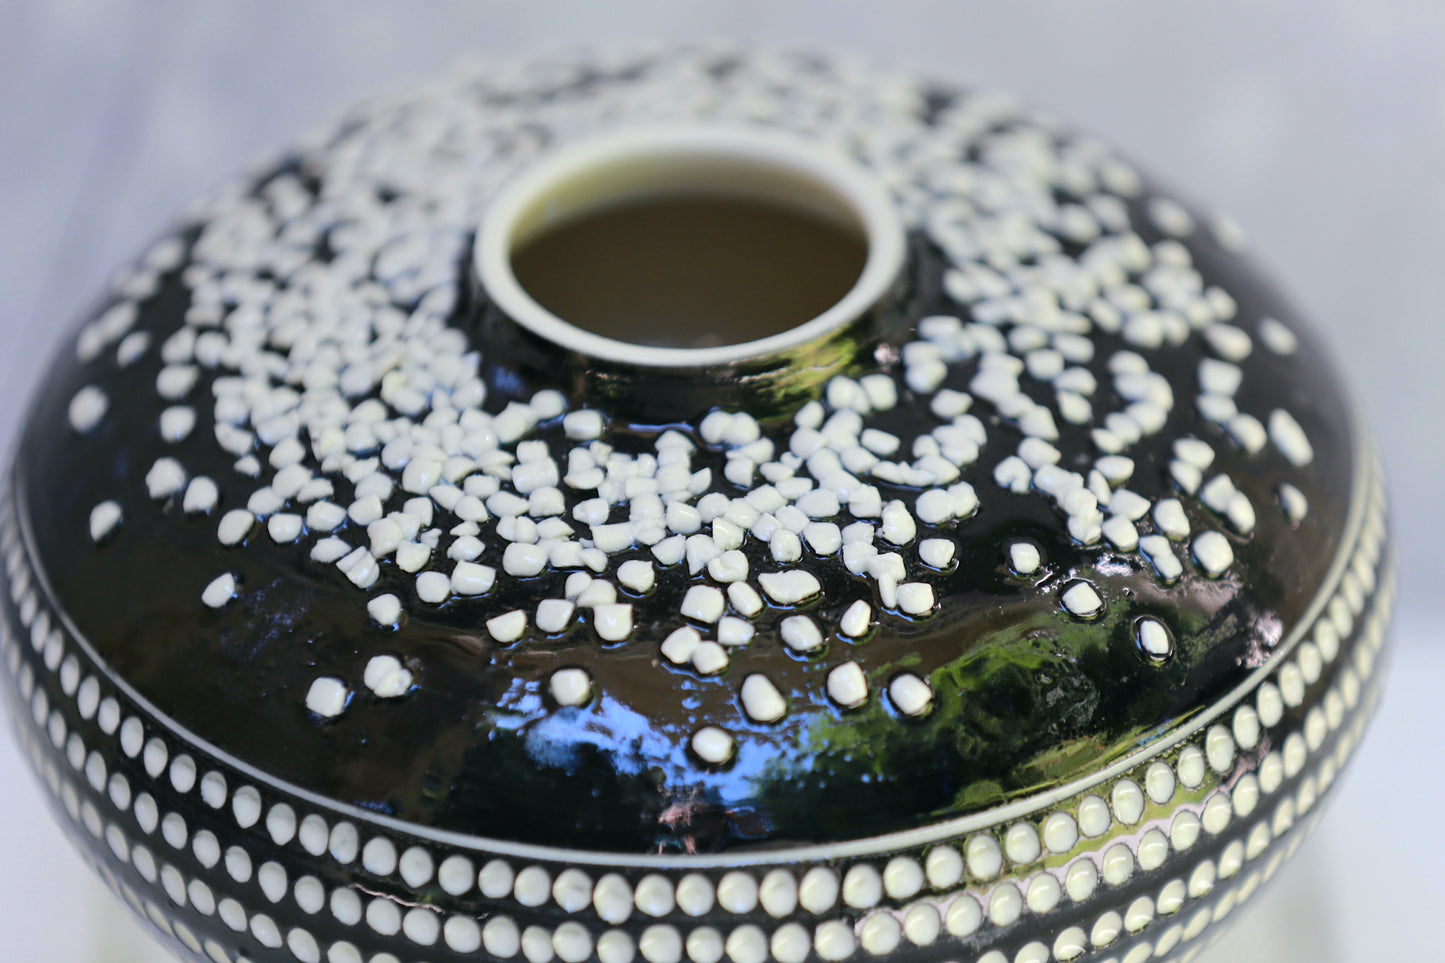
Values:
[(1060, 832), (902, 878), (378, 856), (778, 893), (943, 866), (1005, 905), (572, 890), (1128, 801), (660, 943), (984, 857), (1021, 843), (1118, 864), (695, 894), (910, 694), (532, 886), (737, 892), (501, 938)]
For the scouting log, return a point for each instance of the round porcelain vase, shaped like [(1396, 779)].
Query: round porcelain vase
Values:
[(368, 598)]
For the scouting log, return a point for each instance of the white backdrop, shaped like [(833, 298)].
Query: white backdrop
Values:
[(1320, 125)]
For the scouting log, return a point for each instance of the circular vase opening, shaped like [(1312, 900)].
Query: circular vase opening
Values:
[(689, 246)]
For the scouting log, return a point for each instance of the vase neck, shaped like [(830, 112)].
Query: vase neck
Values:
[(596, 203)]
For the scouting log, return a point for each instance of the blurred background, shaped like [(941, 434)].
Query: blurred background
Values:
[(1319, 125)]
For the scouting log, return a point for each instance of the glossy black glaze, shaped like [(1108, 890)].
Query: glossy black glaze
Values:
[(1026, 697)]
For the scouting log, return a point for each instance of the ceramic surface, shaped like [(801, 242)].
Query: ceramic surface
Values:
[(1020, 616)]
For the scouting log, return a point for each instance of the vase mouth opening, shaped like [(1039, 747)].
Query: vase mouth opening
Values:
[(689, 246)]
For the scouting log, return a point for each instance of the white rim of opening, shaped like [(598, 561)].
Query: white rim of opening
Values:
[(830, 172)]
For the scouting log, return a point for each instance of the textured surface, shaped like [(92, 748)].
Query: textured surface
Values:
[(341, 392), (1346, 296)]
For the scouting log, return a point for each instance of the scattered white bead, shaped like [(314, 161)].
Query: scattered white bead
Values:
[(856, 619), (744, 599), (1290, 438), (613, 621), (916, 598), (1024, 558), (470, 578), (847, 685), (790, 587), (433, 587), (910, 694), (1248, 432), (733, 631), (1154, 638), (554, 615), (220, 591), (1170, 518), (710, 658), (704, 603), (1082, 601), (1292, 501), (800, 633), (730, 566), (679, 646), (1121, 533), (712, 745), (284, 527), (165, 478), (761, 699), (570, 687), (1161, 555), (507, 627), (523, 561), (327, 697), (103, 520), (936, 552), (176, 423), (1213, 553), (898, 526), (637, 575), (201, 496), (384, 609), (386, 677), (87, 409), (1277, 337)]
